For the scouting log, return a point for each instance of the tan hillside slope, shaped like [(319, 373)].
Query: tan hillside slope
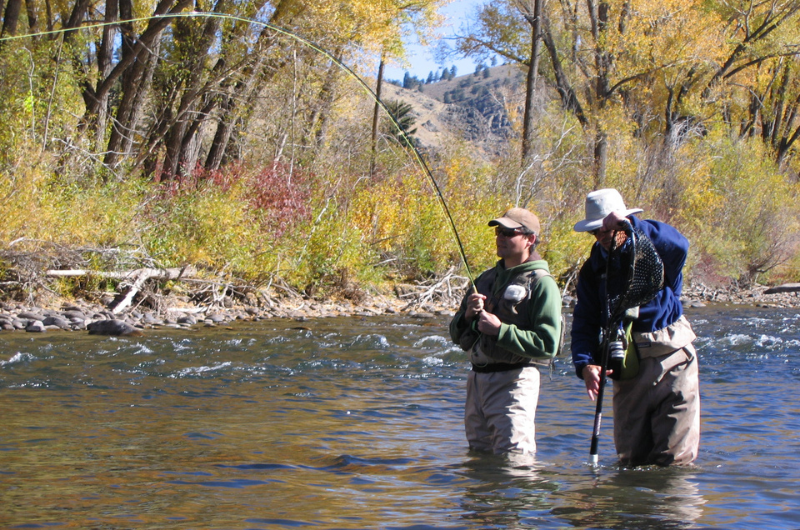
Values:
[(468, 108)]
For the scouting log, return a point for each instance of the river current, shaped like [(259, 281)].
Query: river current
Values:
[(356, 423)]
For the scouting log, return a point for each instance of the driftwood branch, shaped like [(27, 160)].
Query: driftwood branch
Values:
[(442, 288), (785, 288), (155, 274), (136, 278)]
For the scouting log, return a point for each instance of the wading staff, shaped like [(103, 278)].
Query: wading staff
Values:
[(605, 346), (598, 413), (639, 276)]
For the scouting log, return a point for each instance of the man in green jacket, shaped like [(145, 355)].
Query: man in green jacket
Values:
[(508, 323)]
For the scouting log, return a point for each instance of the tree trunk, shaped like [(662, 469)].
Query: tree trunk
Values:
[(190, 147), (230, 115), (375, 120), (222, 148), (176, 139), (533, 74), (317, 124), (568, 97), (11, 18), (134, 279), (135, 83), (600, 159), (105, 54), (190, 123), (95, 96), (789, 138), (33, 19), (675, 101), (49, 12), (75, 19), (222, 135), (603, 64), (228, 149), (172, 143)]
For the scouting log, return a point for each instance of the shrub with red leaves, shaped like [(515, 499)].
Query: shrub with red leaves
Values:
[(283, 196), (280, 193)]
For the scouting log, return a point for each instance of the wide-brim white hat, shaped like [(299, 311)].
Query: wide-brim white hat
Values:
[(599, 204)]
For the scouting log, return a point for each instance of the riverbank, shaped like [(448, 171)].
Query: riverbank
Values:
[(757, 295), (83, 316), (180, 313)]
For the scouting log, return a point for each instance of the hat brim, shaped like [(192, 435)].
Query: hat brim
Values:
[(588, 225), (505, 222)]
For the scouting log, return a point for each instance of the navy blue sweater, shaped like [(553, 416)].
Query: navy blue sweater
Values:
[(590, 311)]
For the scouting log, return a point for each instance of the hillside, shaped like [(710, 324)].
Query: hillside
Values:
[(469, 107)]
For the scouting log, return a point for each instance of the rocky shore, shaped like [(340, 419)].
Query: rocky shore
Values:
[(97, 319), (787, 296)]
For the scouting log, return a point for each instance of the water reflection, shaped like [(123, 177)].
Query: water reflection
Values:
[(638, 498), (506, 491), (520, 492)]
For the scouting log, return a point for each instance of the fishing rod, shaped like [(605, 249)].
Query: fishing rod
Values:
[(302, 40)]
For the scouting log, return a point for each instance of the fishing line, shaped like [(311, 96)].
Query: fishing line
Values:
[(302, 40)]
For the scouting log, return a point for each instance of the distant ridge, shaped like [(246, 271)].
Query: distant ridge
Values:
[(469, 107)]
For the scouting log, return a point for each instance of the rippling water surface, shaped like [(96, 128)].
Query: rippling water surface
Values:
[(357, 423)]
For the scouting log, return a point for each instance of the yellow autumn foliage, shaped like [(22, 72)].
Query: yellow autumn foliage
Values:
[(689, 103)]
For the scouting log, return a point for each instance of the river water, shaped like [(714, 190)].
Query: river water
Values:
[(357, 424)]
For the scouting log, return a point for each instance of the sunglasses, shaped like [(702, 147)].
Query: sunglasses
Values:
[(507, 232)]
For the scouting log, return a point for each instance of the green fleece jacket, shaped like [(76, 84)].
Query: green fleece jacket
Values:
[(538, 336)]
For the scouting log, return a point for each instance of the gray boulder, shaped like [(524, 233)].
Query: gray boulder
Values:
[(30, 315), (112, 327), (187, 319), (57, 321), (35, 326)]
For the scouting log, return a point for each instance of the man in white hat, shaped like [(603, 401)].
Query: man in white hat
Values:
[(510, 321), (657, 408)]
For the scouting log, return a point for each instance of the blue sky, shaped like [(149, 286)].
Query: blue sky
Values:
[(421, 58)]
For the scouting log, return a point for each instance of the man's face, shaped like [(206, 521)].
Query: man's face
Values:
[(512, 243)]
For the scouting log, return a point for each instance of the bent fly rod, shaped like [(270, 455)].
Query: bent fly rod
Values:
[(305, 42)]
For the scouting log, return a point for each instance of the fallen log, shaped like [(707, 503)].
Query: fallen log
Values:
[(137, 279), (150, 273), (785, 288)]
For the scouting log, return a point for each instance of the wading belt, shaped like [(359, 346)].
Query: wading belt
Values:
[(498, 367)]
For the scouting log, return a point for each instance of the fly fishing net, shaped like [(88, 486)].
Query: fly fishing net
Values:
[(635, 275)]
